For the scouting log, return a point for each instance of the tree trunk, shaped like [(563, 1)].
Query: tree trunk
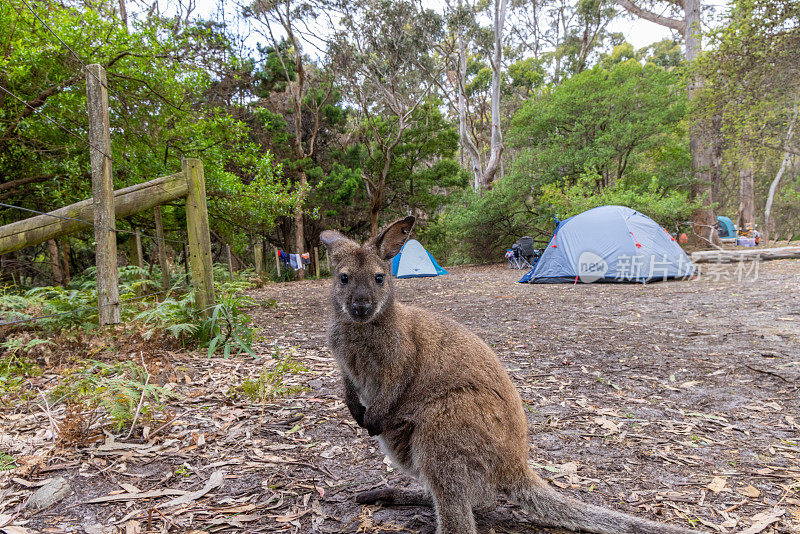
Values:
[(483, 176), (374, 212), (55, 261), (123, 14), (747, 201), (748, 254), (161, 249), (467, 143), (65, 255), (135, 244), (496, 147), (700, 145), (769, 222)]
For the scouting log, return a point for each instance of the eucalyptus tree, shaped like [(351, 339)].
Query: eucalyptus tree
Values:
[(382, 53), (752, 79), (683, 16), (293, 18), (484, 170), (564, 33)]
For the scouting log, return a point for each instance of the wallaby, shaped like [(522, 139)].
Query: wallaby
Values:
[(439, 400)]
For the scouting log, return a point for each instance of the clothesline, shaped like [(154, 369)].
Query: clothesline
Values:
[(295, 261)]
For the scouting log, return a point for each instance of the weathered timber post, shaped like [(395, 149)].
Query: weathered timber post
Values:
[(162, 251), (258, 256), (230, 262), (137, 257), (186, 262), (55, 261), (65, 254), (277, 261), (316, 261), (327, 260), (200, 263), (136, 249), (105, 235)]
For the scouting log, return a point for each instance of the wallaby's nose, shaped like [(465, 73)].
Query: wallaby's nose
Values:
[(361, 307)]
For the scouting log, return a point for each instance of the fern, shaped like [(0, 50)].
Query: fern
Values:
[(270, 383), (121, 389)]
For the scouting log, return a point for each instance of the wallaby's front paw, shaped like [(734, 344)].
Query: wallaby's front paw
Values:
[(358, 414), (372, 423)]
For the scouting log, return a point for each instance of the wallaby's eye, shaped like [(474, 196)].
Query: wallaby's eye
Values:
[(343, 278), (379, 279)]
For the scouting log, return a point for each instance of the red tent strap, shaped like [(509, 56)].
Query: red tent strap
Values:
[(638, 245)]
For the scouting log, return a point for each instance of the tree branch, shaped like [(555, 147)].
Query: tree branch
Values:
[(674, 24), (13, 184)]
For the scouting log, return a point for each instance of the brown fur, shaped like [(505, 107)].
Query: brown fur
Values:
[(439, 400)]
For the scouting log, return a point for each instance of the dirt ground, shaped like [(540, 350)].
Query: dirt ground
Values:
[(676, 401)]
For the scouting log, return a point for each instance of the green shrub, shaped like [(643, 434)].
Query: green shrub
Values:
[(669, 208)]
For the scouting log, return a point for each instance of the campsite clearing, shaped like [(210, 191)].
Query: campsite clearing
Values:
[(668, 400)]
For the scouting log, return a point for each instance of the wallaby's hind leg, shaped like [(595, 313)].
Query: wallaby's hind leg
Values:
[(453, 513), (395, 497)]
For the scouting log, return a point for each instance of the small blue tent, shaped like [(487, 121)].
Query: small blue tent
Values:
[(725, 228), (610, 244), (414, 260)]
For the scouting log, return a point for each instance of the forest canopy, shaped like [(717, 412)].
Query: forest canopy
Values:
[(483, 119)]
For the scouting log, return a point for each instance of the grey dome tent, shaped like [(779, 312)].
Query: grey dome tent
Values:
[(414, 261), (610, 244)]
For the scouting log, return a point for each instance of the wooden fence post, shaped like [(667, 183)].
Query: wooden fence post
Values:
[(137, 256), (200, 263), (277, 260), (136, 249), (65, 254), (230, 262), (327, 260), (316, 261), (186, 262), (105, 235), (258, 256), (162, 251), (55, 261)]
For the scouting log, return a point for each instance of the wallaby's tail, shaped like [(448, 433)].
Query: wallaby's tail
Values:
[(557, 510)]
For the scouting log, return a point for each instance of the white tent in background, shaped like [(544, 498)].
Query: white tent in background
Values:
[(414, 261)]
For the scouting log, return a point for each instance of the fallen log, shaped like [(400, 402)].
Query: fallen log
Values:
[(752, 254), (78, 216)]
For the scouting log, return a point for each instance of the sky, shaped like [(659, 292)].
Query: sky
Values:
[(638, 32)]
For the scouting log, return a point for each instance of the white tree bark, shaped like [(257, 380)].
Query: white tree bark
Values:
[(496, 148), (483, 176), (467, 143), (787, 159)]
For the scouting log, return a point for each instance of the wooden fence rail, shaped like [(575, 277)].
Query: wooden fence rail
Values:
[(106, 206), (80, 216)]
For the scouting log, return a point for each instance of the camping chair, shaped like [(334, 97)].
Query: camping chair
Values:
[(512, 255), (527, 250), (516, 259)]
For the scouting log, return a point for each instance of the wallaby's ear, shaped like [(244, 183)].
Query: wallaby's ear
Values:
[(329, 238), (337, 244), (391, 240)]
